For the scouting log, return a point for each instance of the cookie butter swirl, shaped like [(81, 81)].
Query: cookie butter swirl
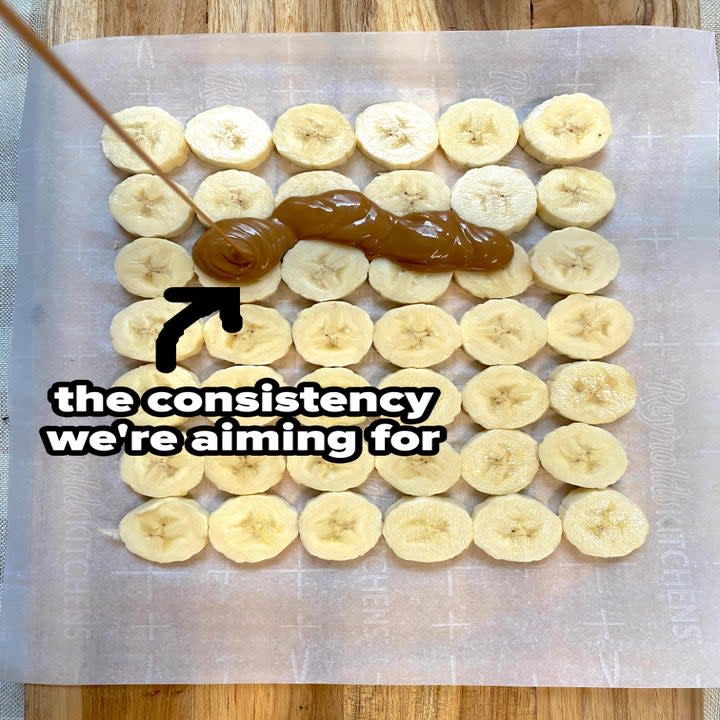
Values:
[(436, 241)]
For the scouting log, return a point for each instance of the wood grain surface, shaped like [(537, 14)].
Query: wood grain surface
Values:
[(79, 19)]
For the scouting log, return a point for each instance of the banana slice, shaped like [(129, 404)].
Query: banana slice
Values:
[(516, 528), (402, 285), (448, 405), (160, 476), (165, 530), (250, 292), (332, 334), (574, 260), (149, 266), (591, 392), (244, 474), (144, 205), (588, 327), (421, 474), (314, 136), (396, 135), (319, 474), (513, 279), (245, 376), (478, 132), (603, 523), (234, 194), (253, 528), (147, 377), (500, 462), (340, 526), (327, 377), (505, 396), (229, 137), (320, 270), (264, 337), (574, 196), (495, 196), (157, 132), (416, 336), (407, 191), (583, 455), (135, 329), (427, 529), (503, 332), (566, 129), (313, 182)]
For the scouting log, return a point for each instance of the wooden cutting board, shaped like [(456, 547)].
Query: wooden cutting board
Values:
[(79, 19)]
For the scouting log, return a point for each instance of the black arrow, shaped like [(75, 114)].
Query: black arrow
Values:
[(203, 301)]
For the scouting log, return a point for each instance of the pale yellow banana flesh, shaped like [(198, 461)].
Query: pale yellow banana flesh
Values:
[(264, 337), (146, 377), (407, 191), (313, 182), (478, 131), (427, 529), (588, 327), (591, 392), (244, 474), (574, 197), (145, 206), (505, 397), (253, 528), (319, 474), (516, 528), (574, 260), (513, 279), (397, 135), (421, 474), (333, 377), (603, 523), (314, 136), (161, 475), (448, 405), (245, 376), (332, 333), (229, 137), (416, 336), (165, 530), (495, 196), (135, 329), (503, 332), (566, 129), (149, 266), (339, 526), (157, 132), (234, 194), (498, 462), (320, 270), (405, 286), (583, 455)]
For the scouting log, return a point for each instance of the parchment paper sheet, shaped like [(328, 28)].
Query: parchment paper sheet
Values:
[(78, 608)]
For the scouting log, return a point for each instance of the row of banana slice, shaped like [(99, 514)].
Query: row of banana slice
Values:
[(496, 196), (567, 262), (496, 462), (504, 397), (341, 526), (563, 130), (336, 334)]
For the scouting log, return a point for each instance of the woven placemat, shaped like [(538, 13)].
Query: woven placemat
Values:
[(13, 76)]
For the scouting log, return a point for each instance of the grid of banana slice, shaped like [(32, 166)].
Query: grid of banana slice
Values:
[(501, 460)]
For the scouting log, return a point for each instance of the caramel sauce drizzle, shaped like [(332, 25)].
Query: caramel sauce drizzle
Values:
[(435, 241)]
